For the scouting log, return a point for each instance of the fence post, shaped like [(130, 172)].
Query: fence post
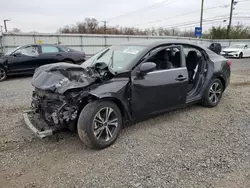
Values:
[(81, 43), (34, 36), (58, 40)]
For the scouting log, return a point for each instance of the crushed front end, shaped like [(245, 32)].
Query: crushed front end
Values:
[(49, 113), (58, 92)]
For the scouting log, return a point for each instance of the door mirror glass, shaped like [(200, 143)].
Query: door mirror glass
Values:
[(147, 67)]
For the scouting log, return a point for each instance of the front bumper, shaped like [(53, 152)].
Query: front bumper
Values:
[(230, 55), (39, 133)]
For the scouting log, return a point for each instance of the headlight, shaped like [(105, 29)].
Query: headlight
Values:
[(234, 52)]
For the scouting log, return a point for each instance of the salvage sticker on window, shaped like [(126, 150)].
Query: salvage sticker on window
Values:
[(130, 51)]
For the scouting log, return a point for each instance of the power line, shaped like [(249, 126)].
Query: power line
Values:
[(222, 17), (180, 15), (190, 22), (145, 9)]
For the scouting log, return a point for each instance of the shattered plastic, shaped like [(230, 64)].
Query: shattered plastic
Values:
[(60, 77)]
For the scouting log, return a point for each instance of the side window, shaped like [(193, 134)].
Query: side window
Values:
[(49, 49), (167, 58), (193, 60), (28, 51)]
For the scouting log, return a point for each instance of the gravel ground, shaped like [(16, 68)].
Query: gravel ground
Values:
[(192, 147)]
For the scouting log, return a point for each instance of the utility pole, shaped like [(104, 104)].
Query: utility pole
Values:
[(5, 25), (230, 19), (105, 27), (202, 5)]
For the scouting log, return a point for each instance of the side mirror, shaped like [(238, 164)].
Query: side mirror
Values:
[(146, 68)]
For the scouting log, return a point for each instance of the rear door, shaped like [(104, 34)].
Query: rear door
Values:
[(50, 54), (160, 90)]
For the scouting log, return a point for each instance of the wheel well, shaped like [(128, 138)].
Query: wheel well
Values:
[(223, 82), (117, 102), (67, 59)]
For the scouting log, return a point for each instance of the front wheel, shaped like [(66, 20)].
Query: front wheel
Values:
[(240, 55), (213, 93), (99, 124), (3, 74)]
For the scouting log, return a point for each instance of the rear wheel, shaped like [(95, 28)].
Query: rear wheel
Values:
[(3, 74), (213, 93), (99, 124)]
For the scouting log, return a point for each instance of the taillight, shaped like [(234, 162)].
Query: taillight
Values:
[(229, 63)]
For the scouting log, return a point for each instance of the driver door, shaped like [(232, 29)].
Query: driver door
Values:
[(24, 59), (160, 90), (246, 51)]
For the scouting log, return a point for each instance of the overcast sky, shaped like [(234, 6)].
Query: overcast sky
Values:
[(49, 15)]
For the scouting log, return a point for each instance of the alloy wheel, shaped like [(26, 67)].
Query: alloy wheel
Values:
[(2, 74), (105, 124), (215, 92)]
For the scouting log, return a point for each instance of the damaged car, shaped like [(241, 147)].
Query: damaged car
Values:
[(121, 84)]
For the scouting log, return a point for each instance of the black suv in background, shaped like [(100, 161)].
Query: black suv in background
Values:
[(215, 47), (26, 59)]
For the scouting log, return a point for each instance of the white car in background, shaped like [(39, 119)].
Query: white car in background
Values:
[(236, 50)]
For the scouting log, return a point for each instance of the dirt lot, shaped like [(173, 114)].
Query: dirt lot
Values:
[(193, 147)]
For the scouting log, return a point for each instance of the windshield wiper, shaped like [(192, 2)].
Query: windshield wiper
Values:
[(111, 62)]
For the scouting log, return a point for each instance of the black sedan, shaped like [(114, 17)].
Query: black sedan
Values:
[(26, 59), (124, 83)]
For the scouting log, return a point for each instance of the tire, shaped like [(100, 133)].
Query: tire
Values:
[(213, 93), (92, 130), (3, 74), (240, 55), (68, 61)]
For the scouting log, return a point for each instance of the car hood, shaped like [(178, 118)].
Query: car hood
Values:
[(232, 50), (61, 77)]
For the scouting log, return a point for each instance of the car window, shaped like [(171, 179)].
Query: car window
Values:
[(49, 49), (187, 49), (167, 58), (28, 51), (66, 49)]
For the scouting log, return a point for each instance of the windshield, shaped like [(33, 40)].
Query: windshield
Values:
[(240, 46), (117, 58), (11, 51)]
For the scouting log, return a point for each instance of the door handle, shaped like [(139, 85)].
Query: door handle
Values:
[(180, 78), (58, 54)]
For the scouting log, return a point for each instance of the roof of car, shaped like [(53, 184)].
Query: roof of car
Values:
[(151, 43)]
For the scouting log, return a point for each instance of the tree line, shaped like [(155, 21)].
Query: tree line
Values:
[(92, 26)]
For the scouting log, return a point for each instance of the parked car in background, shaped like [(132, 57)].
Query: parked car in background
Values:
[(215, 47), (26, 59), (123, 83), (236, 50)]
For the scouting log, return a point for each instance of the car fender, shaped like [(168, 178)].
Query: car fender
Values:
[(118, 90), (4, 63)]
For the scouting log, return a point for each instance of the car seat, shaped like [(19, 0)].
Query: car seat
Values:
[(177, 60), (191, 63), (163, 60)]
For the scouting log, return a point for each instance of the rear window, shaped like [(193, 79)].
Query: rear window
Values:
[(49, 49)]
